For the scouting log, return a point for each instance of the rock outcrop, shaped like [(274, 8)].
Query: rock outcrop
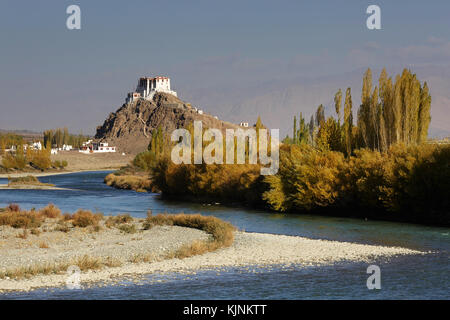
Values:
[(130, 127)]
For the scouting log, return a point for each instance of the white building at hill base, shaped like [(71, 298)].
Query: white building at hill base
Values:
[(147, 87), (97, 147)]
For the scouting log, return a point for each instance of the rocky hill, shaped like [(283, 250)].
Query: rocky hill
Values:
[(130, 127)]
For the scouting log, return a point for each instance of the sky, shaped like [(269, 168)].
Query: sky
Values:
[(217, 53)]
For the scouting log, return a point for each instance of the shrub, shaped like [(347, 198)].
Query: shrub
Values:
[(119, 219), (43, 245), (13, 207), (83, 218), (35, 232), (8, 161), (67, 216), (129, 182), (20, 219), (221, 231), (307, 179), (28, 180), (40, 159), (240, 182), (145, 160), (127, 228), (50, 211), (88, 263), (23, 180)]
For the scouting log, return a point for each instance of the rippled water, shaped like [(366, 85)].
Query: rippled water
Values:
[(407, 277)]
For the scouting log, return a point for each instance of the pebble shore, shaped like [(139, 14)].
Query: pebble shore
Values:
[(248, 249)]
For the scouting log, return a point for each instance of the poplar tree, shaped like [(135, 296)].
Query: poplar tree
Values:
[(348, 122), (320, 115), (337, 104), (393, 113), (364, 112), (294, 131), (424, 114)]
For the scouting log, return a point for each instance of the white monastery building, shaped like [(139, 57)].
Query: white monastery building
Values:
[(147, 87)]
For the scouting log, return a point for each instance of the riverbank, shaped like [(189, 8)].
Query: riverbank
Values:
[(29, 187), (78, 162), (146, 252), (45, 174)]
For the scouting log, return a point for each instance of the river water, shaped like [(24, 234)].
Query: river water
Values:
[(406, 277)]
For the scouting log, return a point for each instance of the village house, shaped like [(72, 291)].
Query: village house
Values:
[(36, 145), (96, 147)]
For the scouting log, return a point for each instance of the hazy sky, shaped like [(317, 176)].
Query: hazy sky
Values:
[(53, 77)]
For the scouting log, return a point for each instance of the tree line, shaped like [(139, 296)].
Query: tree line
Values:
[(9, 140), (61, 136), (395, 111)]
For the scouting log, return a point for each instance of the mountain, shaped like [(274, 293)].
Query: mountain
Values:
[(130, 127)]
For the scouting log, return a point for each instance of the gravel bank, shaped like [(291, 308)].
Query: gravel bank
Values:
[(29, 187), (248, 249), (79, 162)]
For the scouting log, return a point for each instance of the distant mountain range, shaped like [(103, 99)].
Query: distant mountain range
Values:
[(278, 100)]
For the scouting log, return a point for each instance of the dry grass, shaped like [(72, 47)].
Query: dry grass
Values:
[(15, 217), (23, 235), (35, 232), (141, 257), (127, 228), (21, 219), (28, 180), (62, 227), (129, 182), (117, 220), (221, 232), (67, 216), (221, 236), (29, 271), (43, 245), (50, 211), (84, 218), (85, 263)]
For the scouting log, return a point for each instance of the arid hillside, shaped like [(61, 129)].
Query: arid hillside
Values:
[(130, 127)]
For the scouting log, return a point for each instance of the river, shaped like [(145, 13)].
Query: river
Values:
[(405, 277)]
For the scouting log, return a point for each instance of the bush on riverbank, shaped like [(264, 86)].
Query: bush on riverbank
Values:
[(129, 182), (15, 217), (404, 183), (237, 183), (28, 180), (32, 160), (20, 219), (221, 231), (84, 218)]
